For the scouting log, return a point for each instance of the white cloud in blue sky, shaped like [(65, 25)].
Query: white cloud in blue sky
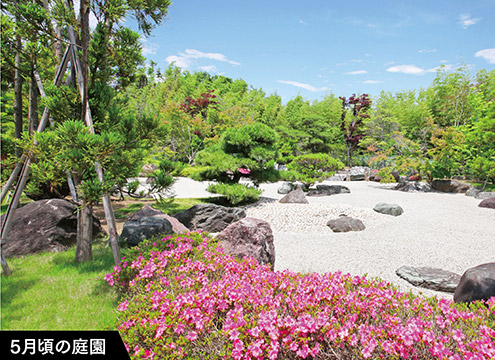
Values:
[(189, 57), (303, 85), (356, 72), (416, 70), (465, 20), (487, 54)]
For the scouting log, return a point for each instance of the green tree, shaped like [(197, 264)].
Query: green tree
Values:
[(248, 151)]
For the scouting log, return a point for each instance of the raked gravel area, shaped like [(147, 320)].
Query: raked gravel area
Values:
[(447, 231)]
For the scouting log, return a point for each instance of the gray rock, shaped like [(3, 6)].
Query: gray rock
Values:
[(294, 197), (358, 173), (209, 217), (337, 177), (285, 188), (44, 225), (472, 192), (413, 186), (135, 231), (450, 186), (429, 278), (488, 203), (477, 283), (325, 190), (389, 209), (249, 237), (345, 223), (147, 210), (485, 195)]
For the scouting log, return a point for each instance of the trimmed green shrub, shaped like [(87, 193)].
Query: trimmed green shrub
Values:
[(236, 194), (310, 168)]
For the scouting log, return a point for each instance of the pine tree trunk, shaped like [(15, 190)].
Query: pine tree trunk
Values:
[(18, 95), (84, 233), (33, 105)]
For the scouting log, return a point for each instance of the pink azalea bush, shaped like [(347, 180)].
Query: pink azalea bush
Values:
[(184, 298)]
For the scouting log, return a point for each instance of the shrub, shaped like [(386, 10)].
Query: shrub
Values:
[(184, 298), (386, 175), (236, 194), (310, 168)]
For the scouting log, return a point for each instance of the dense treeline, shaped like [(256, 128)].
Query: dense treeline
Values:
[(445, 130)]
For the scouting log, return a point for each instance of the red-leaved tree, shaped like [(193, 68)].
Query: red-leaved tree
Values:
[(357, 106)]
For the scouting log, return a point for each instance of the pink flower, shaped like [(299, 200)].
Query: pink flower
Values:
[(123, 306), (192, 335), (244, 171)]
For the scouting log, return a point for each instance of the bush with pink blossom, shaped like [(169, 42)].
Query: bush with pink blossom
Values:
[(182, 297)]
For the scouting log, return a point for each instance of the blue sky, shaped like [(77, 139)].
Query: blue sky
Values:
[(315, 47)]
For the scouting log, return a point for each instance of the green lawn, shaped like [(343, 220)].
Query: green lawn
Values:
[(50, 291)]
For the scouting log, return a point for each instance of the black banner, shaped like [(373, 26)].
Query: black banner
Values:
[(54, 345)]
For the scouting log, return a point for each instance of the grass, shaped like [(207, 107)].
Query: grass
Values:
[(173, 206), (50, 291)]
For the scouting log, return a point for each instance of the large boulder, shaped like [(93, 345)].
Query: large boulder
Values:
[(296, 196), (249, 237), (430, 278), (325, 190), (209, 217), (147, 227), (345, 223), (477, 283), (44, 225), (485, 195), (358, 173), (389, 209), (147, 210), (488, 203), (412, 186), (450, 186)]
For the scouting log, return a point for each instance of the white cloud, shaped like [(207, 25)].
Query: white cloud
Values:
[(188, 58), (357, 72), (302, 85), (407, 69), (465, 20), (416, 70), (487, 54), (422, 51), (302, 22), (372, 82), (209, 68)]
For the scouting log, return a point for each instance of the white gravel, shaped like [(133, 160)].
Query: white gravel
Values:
[(447, 231)]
